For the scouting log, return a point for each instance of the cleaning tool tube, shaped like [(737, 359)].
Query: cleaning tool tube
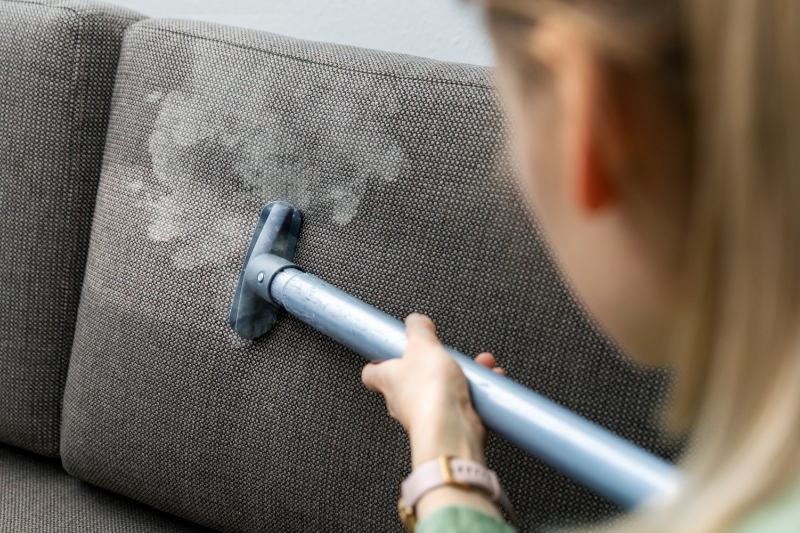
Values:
[(613, 467)]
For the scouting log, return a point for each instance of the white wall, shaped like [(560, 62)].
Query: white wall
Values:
[(450, 30)]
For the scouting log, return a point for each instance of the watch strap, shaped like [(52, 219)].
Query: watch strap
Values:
[(455, 472)]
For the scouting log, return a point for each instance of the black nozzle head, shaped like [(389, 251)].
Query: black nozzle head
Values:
[(276, 233)]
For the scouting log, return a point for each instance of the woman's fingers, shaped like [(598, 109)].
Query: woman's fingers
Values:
[(485, 359), (421, 334), (370, 376), (426, 390), (375, 375), (420, 329)]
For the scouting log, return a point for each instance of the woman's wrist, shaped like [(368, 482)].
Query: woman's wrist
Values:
[(427, 451), (427, 446), (459, 434), (454, 432), (421, 455), (470, 485)]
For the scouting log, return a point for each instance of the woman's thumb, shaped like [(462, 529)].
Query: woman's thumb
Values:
[(420, 328), (375, 375)]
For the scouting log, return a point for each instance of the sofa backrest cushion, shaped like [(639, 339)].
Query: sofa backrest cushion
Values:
[(57, 66), (400, 167)]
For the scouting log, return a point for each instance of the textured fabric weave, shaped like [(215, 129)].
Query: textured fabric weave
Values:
[(37, 496), (57, 65), (399, 166)]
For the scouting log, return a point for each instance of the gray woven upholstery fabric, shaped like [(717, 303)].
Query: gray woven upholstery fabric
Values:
[(37, 496), (57, 65), (400, 168)]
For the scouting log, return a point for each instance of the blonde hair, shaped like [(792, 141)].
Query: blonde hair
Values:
[(732, 67)]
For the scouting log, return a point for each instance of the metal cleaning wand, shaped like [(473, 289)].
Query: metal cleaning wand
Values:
[(613, 467)]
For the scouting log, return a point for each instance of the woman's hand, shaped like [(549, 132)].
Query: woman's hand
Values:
[(427, 393)]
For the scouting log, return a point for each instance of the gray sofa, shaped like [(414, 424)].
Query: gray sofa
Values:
[(135, 156)]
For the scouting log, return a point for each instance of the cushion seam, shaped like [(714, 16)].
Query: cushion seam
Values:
[(77, 13), (76, 144), (315, 62)]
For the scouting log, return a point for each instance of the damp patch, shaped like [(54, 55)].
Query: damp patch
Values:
[(241, 134)]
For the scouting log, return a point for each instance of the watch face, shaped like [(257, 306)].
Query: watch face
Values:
[(407, 515)]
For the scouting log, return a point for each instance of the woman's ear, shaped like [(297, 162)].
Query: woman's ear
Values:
[(593, 179), (578, 89), (593, 184)]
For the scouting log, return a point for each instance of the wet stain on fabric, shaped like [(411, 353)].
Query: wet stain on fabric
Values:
[(229, 157)]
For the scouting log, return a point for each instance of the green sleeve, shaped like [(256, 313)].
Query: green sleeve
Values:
[(780, 516), (456, 519)]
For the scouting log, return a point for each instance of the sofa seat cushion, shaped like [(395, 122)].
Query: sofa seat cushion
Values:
[(58, 59), (38, 496), (399, 164)]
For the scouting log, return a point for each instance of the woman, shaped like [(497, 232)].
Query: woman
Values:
[(659, 142)]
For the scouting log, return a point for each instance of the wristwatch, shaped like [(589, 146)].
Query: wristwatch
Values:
[(454, 472)]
